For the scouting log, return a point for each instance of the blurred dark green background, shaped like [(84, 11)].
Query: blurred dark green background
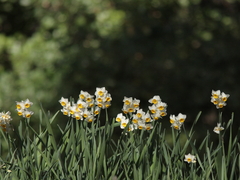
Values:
[(178, 49)]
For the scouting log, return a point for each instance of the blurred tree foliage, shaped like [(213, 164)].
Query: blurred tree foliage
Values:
[(178, 49)]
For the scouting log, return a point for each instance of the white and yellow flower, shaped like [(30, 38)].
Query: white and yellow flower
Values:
[(181, 117), (155, 100), (218, 128), (190, 158), (5, 120), (124, 123), (120, 117), (176, 125), (127, 101), (100, 92)]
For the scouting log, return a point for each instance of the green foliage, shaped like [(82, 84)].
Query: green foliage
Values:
[(88, 151)]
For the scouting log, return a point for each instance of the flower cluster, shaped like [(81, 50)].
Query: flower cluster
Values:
[(219, 99), (158, 108), (190, 158), (218, 128), (130, 105), (86, 106), (138, 118), (177, 121), (103, 98), (22, 108), (5, 119)]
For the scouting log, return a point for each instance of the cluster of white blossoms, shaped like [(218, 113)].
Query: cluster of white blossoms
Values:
[(138, 118), (103, 98), (130, 105), (177, 121), (219, 98), (22, 108), (5, 119), (86, 107), (158, 108)]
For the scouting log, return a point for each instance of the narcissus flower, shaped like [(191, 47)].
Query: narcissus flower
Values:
[(84, 95), (132, 127), (148, 126), (100, 91), (181, 117), (97, 110), (219, 98), (218, 128), (153, 109), (140, 113), (86, 107), (63, 101), (66, 110), (103, 98), (177, 121), (155, 100), (127, 101), (27, 103), (136, 103), (5, 119), (147, 118), (82, 104), (120, 117), (77, 115), (190, 158), (124, 123), (22, 108), (130, 105), (141, 125), (158, 108), (138, 119), (27, 113), (176, 125)]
